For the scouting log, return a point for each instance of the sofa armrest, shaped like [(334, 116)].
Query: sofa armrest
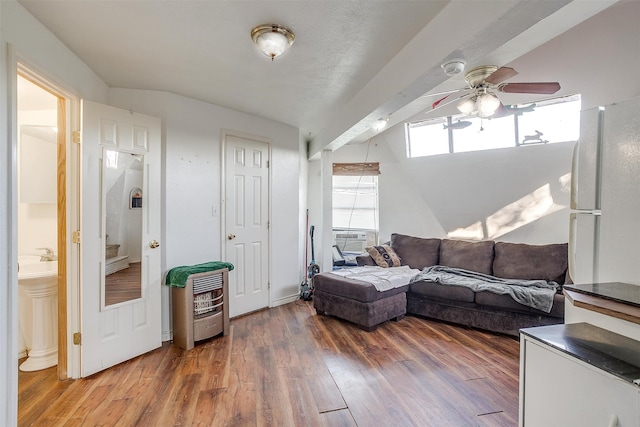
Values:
[(364, 259)]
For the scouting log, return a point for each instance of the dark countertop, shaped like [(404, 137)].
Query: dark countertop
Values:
[(615, 291), (603, 349)]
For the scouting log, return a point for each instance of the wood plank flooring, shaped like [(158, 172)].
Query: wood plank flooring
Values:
[(123, 285), (287, 366)]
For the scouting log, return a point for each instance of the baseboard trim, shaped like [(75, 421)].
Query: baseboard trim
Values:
[(284, 300)]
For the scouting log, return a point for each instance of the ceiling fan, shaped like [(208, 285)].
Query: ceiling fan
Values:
[(483, 82)]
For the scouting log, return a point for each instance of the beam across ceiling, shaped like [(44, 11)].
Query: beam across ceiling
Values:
[(495, 32)]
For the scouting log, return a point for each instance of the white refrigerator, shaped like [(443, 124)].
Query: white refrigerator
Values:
[(604, 238)]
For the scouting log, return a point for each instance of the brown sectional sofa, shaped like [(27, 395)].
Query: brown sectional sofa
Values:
[(359, 302)]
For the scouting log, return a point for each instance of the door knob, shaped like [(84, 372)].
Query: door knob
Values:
[(231, 236), (154, 244)]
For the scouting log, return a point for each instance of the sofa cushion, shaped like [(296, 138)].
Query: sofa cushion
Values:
[(416, 252), (491, 299), (358, 290), (448, 292), (473, 256), (384, 256), (364, 259), (531, 262)]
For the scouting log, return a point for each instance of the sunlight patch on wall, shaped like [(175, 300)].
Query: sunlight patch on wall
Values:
[(565, 183), (472, 232), (528, 209), (522, 212)]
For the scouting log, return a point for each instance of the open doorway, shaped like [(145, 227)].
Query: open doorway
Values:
[(42, 123)]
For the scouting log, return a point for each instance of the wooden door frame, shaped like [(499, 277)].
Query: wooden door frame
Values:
[(223, 195), (67, 211)]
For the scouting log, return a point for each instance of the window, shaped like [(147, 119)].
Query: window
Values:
[(554, 120), (355, 206), (427, 138), (484, 135), (111, 159)]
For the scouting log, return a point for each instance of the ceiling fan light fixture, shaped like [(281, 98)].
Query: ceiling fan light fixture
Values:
[(467, 106), (272, 39), (487, 104)]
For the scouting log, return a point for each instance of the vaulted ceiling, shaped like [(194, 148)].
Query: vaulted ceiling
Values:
[(352, 62)]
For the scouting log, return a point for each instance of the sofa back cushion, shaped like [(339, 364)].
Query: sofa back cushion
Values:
[(531, 262), (416, 252), (474, 256)]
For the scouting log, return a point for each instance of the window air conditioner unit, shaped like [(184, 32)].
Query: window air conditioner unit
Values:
[(350, 241)]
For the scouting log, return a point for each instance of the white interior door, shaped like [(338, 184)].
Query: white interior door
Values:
[(247, 223), (111, 334)]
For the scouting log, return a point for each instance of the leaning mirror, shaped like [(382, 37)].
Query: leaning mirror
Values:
[(122, 181)]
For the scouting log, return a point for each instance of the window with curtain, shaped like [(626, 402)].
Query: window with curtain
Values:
[(355, 205)]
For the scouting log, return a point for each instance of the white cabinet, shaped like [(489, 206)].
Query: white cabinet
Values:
[(562, 385)]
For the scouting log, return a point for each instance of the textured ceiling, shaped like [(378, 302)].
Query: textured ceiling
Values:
[(352, 61)]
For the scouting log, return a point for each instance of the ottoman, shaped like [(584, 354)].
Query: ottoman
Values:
[(357, 301)]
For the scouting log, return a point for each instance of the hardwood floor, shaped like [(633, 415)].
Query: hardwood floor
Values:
[(287, 366), (123, 285)]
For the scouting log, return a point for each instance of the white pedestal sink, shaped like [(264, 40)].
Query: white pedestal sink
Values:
[(38, 312)]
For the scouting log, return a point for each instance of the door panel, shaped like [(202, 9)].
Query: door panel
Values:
[(115, 333), (585, 165), (247, 223), (620, 232)]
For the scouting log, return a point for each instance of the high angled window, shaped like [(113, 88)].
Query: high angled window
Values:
[(544, 122)]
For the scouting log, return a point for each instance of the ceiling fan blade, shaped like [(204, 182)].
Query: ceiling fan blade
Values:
[(500, 75), (546, 88), (445, 92), (437, 103), (444, 101)]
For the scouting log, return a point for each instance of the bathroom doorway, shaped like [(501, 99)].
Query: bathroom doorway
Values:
[(43, 199)]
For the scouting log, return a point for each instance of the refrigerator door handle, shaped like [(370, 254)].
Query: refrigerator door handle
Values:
[(572, 245), (573, 195)]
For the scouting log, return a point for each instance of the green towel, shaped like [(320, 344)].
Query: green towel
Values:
[(177, 276)]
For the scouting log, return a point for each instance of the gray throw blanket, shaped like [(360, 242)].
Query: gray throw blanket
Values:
[(532, 293)]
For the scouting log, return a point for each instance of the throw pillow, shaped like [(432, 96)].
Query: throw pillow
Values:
[(384, 256)]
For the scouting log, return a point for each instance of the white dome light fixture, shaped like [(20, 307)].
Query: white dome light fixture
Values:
[(272, 39), (468, 105), (380, 124), (487, 104)]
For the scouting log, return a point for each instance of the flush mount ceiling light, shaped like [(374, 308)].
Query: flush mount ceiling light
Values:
[(272, 39), (380, 124)]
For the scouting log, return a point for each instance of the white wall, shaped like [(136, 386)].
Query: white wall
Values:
[(514, 194), (191, 167), (598, 58), (37, 222)]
